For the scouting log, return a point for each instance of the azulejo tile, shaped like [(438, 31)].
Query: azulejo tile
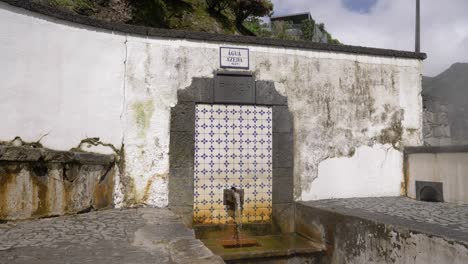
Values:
[(233, 147)]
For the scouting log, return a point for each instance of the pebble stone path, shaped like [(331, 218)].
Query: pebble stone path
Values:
[(113, 236)]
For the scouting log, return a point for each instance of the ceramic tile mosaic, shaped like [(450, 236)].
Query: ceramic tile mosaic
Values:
[(233, 147)]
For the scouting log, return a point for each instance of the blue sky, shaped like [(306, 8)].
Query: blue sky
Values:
[(390, 24), (360, 6)]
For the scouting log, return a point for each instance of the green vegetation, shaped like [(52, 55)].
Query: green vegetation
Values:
[(217, 16), (308, 29), (77, 6), (243, 9), (257, 27), (285, 30)]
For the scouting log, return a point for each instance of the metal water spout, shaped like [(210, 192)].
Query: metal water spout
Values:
[(234, 202), (233, 199)]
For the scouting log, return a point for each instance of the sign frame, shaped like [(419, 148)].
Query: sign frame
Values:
[(234, 67)]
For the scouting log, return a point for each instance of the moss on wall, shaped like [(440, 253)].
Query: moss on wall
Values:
[(143, 112)]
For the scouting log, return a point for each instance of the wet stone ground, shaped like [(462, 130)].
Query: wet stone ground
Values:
[(114, 236), (445, 219)]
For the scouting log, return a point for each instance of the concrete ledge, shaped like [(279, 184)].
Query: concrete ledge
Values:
[(28, 154), (441, 149), (371, 230), (203, 36)]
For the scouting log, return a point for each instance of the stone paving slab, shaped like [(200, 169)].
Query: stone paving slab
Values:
[(143, 235), (441, 219)]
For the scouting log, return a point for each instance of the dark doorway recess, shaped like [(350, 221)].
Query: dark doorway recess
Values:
[(429, 191)]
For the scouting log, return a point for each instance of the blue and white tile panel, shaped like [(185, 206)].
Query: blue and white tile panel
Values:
[(233, 147)]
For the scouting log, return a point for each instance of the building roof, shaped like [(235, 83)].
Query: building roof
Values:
[(209, 37), (294, 18)]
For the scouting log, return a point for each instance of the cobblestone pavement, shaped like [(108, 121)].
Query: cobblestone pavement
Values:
[(442, 218), (113, 236)]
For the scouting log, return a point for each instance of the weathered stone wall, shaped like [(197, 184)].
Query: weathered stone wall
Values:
[(352, 239), (445, 123), (436, 128), (36, 182), (352, 112)]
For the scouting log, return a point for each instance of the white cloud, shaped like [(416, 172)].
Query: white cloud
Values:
[(390, 24)]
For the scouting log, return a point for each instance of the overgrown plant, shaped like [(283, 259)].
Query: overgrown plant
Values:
[(78, 6), (280, 30), (152, 13), (243, 9), (258, 27), (217, 6), (308, 29), (330, 39)]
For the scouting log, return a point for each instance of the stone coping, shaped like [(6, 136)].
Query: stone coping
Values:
[(434, 219), (438, 149), (30, 154), (211, 37)]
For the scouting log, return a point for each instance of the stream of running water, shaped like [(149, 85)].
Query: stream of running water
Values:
[(237, 217)]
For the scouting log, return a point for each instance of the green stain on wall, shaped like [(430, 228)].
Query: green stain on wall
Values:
[(143, 112)]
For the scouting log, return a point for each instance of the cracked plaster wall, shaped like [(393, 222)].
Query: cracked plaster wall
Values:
[(78, 82)]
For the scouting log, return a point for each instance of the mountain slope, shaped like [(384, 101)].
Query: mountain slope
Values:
[(451, 85), (446, 104)]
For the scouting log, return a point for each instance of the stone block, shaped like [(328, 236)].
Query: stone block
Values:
[(282, 119), (436, 106), (38, 189), (8, 153), (183, 117), (427, 130), (93, 158), (432, 141), (200, 91), (180, 191), (444, 108), (185, 213), (283, 173), (59, 156), (442, 118), (283, 189), (283, 217), (282, 150), (442, 131), (186, 173), (446, 142), (266, 94), (181, 150), (428, 116), (234, 89)]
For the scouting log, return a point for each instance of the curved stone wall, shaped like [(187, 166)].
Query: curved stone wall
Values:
[(69, 85)]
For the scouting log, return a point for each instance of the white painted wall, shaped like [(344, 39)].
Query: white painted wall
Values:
[(60, 83), (75, 82), (372, 171), (451, 169)]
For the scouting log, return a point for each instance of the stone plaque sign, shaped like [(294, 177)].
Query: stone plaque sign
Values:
[(237, 58), (234, 89)]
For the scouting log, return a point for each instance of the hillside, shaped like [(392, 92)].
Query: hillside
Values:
[(450, 85), (190, 15), (446, 101), (177, 14)]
